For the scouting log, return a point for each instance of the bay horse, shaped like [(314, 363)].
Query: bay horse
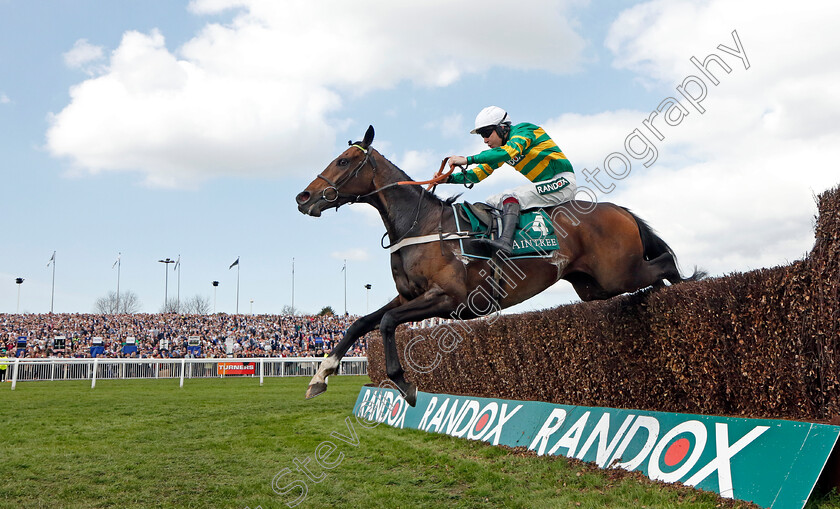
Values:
[(605, 250)]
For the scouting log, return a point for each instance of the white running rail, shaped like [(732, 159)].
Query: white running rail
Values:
[(100, 368)]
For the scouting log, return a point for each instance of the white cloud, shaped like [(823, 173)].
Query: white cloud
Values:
[(588, 139), (732, 188), (214, 6), (366, 44), (419, 165), (450, 125), (260, 96), (82, 55), (4, 99), (368, 215)]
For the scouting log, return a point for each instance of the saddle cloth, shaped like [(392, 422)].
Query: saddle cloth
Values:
[(534, 235)]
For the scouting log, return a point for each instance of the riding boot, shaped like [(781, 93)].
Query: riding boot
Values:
[(510, 220)]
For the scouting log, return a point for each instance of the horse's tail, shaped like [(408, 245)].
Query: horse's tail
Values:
[(653, 246)]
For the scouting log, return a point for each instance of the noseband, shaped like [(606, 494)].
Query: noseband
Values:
[(331, 192)]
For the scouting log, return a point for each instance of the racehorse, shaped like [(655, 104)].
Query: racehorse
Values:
[(605, 251)]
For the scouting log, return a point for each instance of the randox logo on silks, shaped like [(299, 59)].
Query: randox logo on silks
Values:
[(773, 463), (552, 187)]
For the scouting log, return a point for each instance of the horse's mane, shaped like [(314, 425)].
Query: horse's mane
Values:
[(430, 195)]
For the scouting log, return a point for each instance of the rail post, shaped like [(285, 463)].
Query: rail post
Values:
[(15, 374), (93, 376)]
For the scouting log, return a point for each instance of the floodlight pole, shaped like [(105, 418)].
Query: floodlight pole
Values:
[(166, 263), (18, 281)]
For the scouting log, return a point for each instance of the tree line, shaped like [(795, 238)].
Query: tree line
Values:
[(129, 303)]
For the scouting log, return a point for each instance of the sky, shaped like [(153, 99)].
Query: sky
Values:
[(159, 129)]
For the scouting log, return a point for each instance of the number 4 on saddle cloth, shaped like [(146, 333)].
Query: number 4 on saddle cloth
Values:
[(534, 237)]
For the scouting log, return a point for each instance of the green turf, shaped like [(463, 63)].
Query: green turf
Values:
[(219, 443)]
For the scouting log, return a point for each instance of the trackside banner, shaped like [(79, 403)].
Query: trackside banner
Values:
[(773, 463), (236, 368)]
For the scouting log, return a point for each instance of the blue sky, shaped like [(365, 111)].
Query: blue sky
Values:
[(158, 128)]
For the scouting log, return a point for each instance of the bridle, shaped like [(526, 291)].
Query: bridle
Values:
[(334, 187), (333, 193)]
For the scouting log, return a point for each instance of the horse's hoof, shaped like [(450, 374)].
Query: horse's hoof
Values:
[(316, 389), (410, 395)]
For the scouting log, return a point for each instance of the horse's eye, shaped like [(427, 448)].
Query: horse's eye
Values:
[(342, 162)]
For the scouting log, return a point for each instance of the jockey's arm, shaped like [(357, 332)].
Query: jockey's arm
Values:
[(488, 160), (515, 147), (472, 175)]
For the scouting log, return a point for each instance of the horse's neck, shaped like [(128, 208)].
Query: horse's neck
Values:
[(398, 205)]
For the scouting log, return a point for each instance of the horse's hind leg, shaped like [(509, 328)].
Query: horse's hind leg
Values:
[(655, 272), (634, 276), (665, 267), (359, 328), (587, 287)]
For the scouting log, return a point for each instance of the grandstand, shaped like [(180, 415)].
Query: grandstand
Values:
[(173, 335)]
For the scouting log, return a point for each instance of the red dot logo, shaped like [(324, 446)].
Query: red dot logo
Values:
[(482, 421), (677, 452), (395, 408)]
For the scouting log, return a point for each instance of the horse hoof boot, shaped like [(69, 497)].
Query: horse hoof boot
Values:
[(316, 389)]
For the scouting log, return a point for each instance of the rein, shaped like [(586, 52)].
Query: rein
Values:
[(335, 193), (439, 177)]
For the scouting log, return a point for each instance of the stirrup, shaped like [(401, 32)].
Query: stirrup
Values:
[(497, 244)]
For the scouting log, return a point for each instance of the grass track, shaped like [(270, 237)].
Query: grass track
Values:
[(219, 443)]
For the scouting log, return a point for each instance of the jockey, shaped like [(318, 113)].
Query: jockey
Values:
[(532, 153)]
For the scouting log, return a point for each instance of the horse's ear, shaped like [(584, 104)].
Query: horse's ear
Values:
[(368, 137)]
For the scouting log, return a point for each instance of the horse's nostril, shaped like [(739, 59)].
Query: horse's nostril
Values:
[(302, 197)]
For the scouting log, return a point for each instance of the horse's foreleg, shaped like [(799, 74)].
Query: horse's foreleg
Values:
[(359, 328), (430, 304)]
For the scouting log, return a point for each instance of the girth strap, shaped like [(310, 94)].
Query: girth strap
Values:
[(410, 241)]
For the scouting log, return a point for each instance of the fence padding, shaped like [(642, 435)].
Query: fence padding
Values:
[(760, 344)]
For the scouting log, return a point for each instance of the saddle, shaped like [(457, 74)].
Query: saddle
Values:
[(481, 216), (534, 238)]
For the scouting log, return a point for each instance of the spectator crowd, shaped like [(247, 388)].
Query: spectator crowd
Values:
[(168, 335)]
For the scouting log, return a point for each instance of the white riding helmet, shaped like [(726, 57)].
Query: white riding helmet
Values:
[(491, 115)]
